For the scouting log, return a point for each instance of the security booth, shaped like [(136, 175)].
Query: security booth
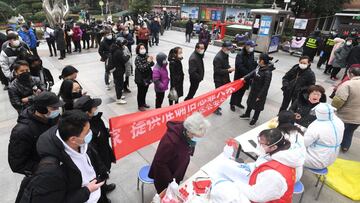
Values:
[(267, 28), (221, 28)]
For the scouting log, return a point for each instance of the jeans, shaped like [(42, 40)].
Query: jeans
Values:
[(159, 99), (119, 83), (194, 85), (141, 95), (107, 74), (348, 134), (51, 45), (256, 114), (155, 38)]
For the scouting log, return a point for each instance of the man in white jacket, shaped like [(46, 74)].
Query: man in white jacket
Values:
[(323, 138)]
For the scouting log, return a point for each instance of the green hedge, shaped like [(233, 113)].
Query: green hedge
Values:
[(5, 11), (23, 9), (37, 5)]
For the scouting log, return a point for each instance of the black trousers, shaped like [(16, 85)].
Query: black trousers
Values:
[(4, 80), (62, 53), (256, 114), (141, 95), (34, 51), (328, 68), (194, 85), (159, 99), (335, 71), (68, 44), (187, 37), (171, 102), (119, 83), (87, 41), (51, 45), (287, 98), (236, 97), (77, 46), (126, 82)]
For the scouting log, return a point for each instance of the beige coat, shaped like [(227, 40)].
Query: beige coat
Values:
[(349, 92), (338, 43)]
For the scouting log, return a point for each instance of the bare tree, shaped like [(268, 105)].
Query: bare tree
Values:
[(55, 11)]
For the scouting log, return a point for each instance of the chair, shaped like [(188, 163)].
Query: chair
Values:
[(143, 176), (299, 189), (321, 173)]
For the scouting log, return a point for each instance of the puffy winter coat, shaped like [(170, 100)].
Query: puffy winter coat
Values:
[(341, 55), (143, 72), (338, 43), (160, 78), (29, 38), (221, 66), (196, 67), (176, 76)]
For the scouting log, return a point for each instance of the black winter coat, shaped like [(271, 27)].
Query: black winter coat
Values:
[(17, 91), (104, 48), (59, 183), (143, 72), (119, 59), (22, 155), (221, 66), (259, 87), (189, 27), (296, 80), (196, 67), (303, 107), (244, 64), (177, 76), (59, 38), (100, 140), (354, 56)]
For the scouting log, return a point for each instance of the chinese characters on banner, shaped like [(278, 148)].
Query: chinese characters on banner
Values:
[(133, 131)]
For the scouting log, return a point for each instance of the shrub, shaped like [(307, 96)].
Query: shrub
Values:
[(38, 17), (5, 11), (37, 6), (23, 8)]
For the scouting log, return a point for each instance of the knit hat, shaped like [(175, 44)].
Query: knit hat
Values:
[(68, 70), (160, 58)]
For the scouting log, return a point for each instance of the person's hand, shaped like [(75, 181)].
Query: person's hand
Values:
[(93, 186), (38, 91), (25, 100), (232, 69), (297, 116), (150, 58)]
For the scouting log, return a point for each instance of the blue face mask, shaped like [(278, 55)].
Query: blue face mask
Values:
[(96, 112), (87, 139), (53, 114), (196, 139)]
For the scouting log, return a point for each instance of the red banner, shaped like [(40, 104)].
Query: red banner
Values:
[(133, 131)]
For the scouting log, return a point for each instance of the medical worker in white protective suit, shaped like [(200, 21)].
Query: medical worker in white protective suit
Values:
[(323, 137)]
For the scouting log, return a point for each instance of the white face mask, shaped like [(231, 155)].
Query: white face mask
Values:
[(227, 52), (142, 51), (126, 32), (201, 52), (261, 150), (251, 49), (303, 66), (109, 37), (180, 56), (16, 43), (348, 43)]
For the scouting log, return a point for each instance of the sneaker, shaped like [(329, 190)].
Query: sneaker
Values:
[(252, 122), (122, 97), (121, 101), (344, 149), (142, 108), (108, 87), (146, 106), (232, 108), (218, 112), (244, 116)]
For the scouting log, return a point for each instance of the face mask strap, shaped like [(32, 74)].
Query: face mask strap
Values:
[(282, 136)]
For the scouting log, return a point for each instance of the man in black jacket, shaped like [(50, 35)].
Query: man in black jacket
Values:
[(298, 78), (81, 172), (196, 69), (244, 64), (118, 60), (222, 68), (189, 29), (32, 122), (104, 51)]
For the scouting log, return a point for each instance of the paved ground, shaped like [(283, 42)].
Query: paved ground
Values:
[(124, 172)]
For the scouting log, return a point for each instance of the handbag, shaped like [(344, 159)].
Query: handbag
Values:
[(173, 96)]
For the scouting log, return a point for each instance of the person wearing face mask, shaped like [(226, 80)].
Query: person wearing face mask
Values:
[(32, 122), (59, 37), (346, 100), (28, 36), (76, 37), (244, 64), (143, 35), (160, 78), (68, 72), (272, 176), (196, 69), (323, 137), (81, 173), (311, 44), (205, 36), (297, 79), (128, 36), (24, 87), (340, 58), (37, 70), (104, 52), (306, 101), (176, 72), (155, 30), (69, 91), (15, 50), (222, 68), (100, 140), (143, 75), (259, 88), (173, 154)]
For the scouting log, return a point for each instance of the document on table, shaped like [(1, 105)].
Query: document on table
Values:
[(224, 168)]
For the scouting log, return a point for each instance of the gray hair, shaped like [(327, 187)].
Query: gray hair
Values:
[(196, 124)]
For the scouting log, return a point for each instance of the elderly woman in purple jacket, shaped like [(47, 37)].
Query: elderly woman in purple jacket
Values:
[(175, 149), (160, 78)]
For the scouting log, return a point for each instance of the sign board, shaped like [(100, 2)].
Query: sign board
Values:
[(274, 43), (239, 16), (265, 25), (300, 23), (189, 12)]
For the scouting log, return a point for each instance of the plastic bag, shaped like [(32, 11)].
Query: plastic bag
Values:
[(172, 193), (173, 96), (344, 177)]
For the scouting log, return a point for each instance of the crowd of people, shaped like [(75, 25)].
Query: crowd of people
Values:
[(60, 123)]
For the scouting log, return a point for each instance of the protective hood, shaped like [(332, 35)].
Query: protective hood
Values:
[(324, 112), (218, 194), (290, 157)]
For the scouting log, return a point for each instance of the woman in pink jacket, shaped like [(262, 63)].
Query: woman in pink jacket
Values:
[(76, 37), (338, 43)]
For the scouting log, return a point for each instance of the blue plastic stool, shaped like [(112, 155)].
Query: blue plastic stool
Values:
[(299, 189), (321, 173), (143, 176)]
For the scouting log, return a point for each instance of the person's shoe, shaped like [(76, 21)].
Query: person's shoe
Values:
[(122, 97), (61, 58), (121, 101), (51, 55), (218, 112), (334, 78), (241, 106), (127, 90), (108, 87), (6, 87), (232, 108), (109, 187), (252, 122), (344, 149), (142, 108), (244, 116), (146, 106)]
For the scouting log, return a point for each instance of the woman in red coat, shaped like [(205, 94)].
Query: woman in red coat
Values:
[(76, 37), (175, 148)]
